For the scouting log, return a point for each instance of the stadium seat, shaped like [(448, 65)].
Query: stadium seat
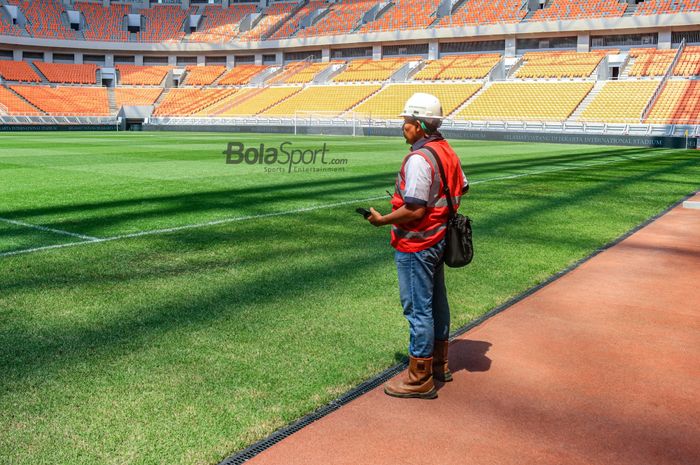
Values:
[(300, 72), (11, 104), (559, 65), (342, 18), (523, 101), (679, 103), (620, 102), (577, 9), (272, 16), (371, 70), (104, 24), (250, 101), (18, 71), (326, 100), (458, 67), (241, 75), (142, 75), (689, 62), (164, 23), (404, 14), (64, 73), (658, 7), (67, 101), (221, 24), (44, 18), (291, 24), (388, 102), (475, 12), (203, 75), (136, 95), (185, 102), (650, 62)]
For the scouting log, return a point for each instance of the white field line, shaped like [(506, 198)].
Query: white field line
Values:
[(45, 229), (94, 240)]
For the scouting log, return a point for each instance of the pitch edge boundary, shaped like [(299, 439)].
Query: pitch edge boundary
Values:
[(260, 446)]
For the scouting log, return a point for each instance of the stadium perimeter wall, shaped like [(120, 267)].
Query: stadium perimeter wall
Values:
[(555, 138)]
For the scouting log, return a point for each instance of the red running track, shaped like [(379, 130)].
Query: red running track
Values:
[(602, 366)]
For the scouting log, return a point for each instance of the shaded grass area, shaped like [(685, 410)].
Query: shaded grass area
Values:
[(185, 347)]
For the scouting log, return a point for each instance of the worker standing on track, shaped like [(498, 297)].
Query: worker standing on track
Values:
[(418, 220)]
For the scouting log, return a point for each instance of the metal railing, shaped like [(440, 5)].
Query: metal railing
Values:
[(662, 85)]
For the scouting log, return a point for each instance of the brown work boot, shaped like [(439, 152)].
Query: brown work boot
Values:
[(418, 383), (441, 371)]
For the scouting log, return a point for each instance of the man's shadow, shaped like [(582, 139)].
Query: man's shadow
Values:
[(465, 354)]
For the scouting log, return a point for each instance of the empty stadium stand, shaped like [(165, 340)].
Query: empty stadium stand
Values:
[(142, 75), (341, 18), (689, 62), (136, 95), (164, 23), (44, 18), (576, 9), (388, 102), (221, 24), (203, 75), (250, 101), (650, 62), (104, 24), (474, 12), (291, 25), (620, 101), (273, 16), (241, 75), (404, 14), (63, 73), (657, 7), (66, 101), (370, 70), (12, 104), (328, 100), (184, 102), (679, 103), (523, 101), (458, 67), (559, 65), (18, 71)]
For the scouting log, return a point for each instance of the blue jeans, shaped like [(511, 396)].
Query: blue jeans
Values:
[(424, 297)]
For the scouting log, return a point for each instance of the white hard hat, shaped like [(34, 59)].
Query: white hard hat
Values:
[(423, 106)]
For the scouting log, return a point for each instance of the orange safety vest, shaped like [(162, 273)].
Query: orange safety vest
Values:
[(421, 234)]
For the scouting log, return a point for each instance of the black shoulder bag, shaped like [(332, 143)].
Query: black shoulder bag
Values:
[(459, 250)]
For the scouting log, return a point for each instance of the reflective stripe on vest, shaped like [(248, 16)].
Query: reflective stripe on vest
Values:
[(417, 234)]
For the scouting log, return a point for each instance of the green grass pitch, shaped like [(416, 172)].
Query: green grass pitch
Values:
[(121, 343)]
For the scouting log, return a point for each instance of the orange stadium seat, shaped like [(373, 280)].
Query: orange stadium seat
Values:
[(342, 18), (560, 65), (44, 18), (250, 101), (136, 95), (67, 101), (11, 104), (221, 24), (404, 14), (241, 75), (327, 100), (650, 62), (679, 103), (689, 62), (184, 102), (370, 70), (458, 67), (658, 7), (164, 23), (272, 16), (292, 24), (105, 24), (64, 73), (142, 75), (18, 71), (576, 9), (203, 75), (474, 12)]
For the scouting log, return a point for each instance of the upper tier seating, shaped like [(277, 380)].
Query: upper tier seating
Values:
[(134, 75), (44, 18), (105, 24), (273, 15), (136, 95), (18, 71), (689, 62), (164, 23), (341, 19), (388, 102), (679, 103), (620, 102), (184, 102), (203, 75), (547, 101), (404, 14), (64, 73), (370, 70), (458, 67), (329, 100), (8, 29), (250, 101), (576, 9), (10, 104), (650, 61), (559, 65), (656, 7), (241, 75), (474, 12), (67, 101), (221, 24), (292, 24)]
